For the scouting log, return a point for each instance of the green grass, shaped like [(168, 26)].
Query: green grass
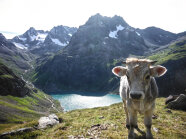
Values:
[(25, 109), (113, 63), (79, 122), (6, 76), (24, 101), (173, 52), (21, 109)]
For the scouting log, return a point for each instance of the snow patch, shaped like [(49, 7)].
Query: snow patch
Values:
[(27, 45), (138, 33), (32, 38), (23, 39), (70, 34), (113, 34), (41, 36), (56, 41), (120, 27), (20, 46)]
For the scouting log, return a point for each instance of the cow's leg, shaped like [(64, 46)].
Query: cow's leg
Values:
[(127, 115), (148, 123), (132, 122)]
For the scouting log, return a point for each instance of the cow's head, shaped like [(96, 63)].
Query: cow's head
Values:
[(139, 73)]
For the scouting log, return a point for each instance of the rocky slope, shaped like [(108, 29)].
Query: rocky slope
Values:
[(19, 102), (173, 57), (10, 84), (17, 59), (85, 64)]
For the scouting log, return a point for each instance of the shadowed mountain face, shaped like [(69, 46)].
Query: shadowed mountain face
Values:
[(85, 64), (157, 36), (173, 82), (173, 58), (10, 84)]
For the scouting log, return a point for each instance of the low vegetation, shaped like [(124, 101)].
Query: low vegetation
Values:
[(109, 122), (173, 52), (18, 110)]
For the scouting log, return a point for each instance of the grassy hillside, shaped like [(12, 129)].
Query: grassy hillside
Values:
[(175, 51), (18, 110), (20, 102), (109, 122), (173, 58)]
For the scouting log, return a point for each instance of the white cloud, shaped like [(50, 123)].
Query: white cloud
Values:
[(19, 15)]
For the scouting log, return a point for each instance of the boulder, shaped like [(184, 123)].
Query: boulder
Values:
[(45, 122), (170, 98), (18, 131), (179, 103)]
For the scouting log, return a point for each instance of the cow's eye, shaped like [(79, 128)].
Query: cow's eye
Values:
[(147, 77)]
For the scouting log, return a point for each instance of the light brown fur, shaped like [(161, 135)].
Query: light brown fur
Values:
[(138, 90)]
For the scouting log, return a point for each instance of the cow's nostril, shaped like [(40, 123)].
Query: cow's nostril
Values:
[(135, 96)]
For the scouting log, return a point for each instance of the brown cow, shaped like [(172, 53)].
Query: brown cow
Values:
[(138, 91)]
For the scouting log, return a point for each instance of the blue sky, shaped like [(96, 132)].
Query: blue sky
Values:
[(17, 16)]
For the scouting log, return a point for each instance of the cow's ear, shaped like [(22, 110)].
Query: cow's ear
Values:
[(157, 71), (119, 71)]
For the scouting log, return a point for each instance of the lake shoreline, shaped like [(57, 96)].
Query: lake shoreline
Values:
[(70, 101)]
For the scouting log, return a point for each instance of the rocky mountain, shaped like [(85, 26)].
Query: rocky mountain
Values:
[(39, 41), (173, 57), (31, 38), (19, 102), (86, 63), (157, 36), (15, 58)]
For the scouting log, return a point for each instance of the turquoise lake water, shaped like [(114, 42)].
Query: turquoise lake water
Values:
[(75, 101)]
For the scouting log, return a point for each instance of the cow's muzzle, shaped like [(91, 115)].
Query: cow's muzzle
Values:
[(136, 95)]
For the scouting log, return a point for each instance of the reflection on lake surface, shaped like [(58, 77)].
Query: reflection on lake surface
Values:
[(76, 101)]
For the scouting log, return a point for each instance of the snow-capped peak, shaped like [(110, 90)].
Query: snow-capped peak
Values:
[(40, 37)]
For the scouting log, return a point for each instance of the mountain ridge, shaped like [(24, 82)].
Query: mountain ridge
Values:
[(40, 42), (85, 63)]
